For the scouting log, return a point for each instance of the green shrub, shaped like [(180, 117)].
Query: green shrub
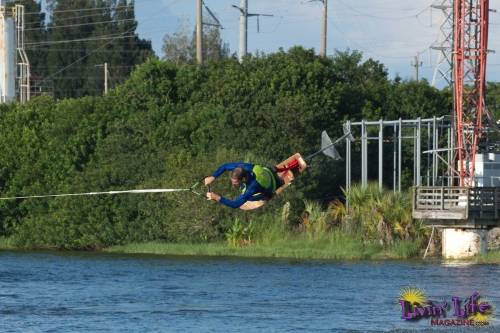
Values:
[(168, 126)]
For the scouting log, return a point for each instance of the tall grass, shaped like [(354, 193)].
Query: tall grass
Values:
[(378, 226), (340, 247), (6, 243), (491, 257), (379, 215)]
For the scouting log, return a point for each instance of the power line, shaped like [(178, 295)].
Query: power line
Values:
[(86, 67), (85, 56), (69, 18), (363, 48), (81, 78), (80, 10), (78, 24), (103, 37), (66, 18), (42, 48), (383, 17)]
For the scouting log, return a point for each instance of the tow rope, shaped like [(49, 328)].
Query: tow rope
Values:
[(192, 189)]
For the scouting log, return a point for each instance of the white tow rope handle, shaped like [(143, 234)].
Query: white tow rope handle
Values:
[(154, 190), (192, 189)]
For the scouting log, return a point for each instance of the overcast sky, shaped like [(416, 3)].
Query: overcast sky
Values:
[(391, 31)]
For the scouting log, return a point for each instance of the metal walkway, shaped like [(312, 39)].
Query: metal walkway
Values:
[(457, 206)]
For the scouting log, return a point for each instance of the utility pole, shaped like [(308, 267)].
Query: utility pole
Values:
[(417, 65), (106, 76), (324, 27), (243, 29), (324, 30), (199, 32), (244, 15)]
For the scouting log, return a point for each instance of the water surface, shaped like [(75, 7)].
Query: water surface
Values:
[(85, 292)]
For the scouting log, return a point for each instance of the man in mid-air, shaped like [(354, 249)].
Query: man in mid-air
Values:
[(258, 183)]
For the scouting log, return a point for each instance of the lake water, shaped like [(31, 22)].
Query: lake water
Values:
[(85, 292)]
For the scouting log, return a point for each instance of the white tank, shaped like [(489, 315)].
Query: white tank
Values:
[(7, 59)]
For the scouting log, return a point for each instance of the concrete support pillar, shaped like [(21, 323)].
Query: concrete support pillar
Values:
[(463, 243)]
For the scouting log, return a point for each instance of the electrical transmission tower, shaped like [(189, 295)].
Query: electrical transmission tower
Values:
[(444, 46), (470, 47), (244, 15)]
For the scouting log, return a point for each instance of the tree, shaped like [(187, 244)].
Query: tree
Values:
[(214, 49), (493, 99), (83, 34), (180, 47), (130, 50)]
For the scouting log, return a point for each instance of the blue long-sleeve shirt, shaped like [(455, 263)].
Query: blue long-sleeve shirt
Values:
[(253, 191)]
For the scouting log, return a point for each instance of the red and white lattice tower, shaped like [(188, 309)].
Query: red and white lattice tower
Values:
[(470, 46)]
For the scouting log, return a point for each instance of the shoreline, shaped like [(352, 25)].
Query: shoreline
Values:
[(221, 249), (199, 250), (298, 249), (259, 251)]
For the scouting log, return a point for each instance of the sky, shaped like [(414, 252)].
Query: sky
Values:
[(390, 31)]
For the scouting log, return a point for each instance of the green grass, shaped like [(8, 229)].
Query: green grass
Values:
[(291, 250), (335, 246), (491, 257), (401, 250), (6, 244)]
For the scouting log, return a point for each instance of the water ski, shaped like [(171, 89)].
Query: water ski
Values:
[(285, 171)]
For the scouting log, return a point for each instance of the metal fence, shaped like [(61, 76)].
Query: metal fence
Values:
[(435, 134), (457, 203)]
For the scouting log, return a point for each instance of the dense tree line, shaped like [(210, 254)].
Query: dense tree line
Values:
[(68, 45), (169, 125)]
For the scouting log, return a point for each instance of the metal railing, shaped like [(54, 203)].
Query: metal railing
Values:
[(456, 203), (430, 202), (484, 202)]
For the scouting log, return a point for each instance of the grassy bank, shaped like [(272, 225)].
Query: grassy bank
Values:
[(335, 245), (338, 247), (492, 257), (290, 249), (6, 243)]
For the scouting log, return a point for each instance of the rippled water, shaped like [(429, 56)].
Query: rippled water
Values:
[(113, 293)]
